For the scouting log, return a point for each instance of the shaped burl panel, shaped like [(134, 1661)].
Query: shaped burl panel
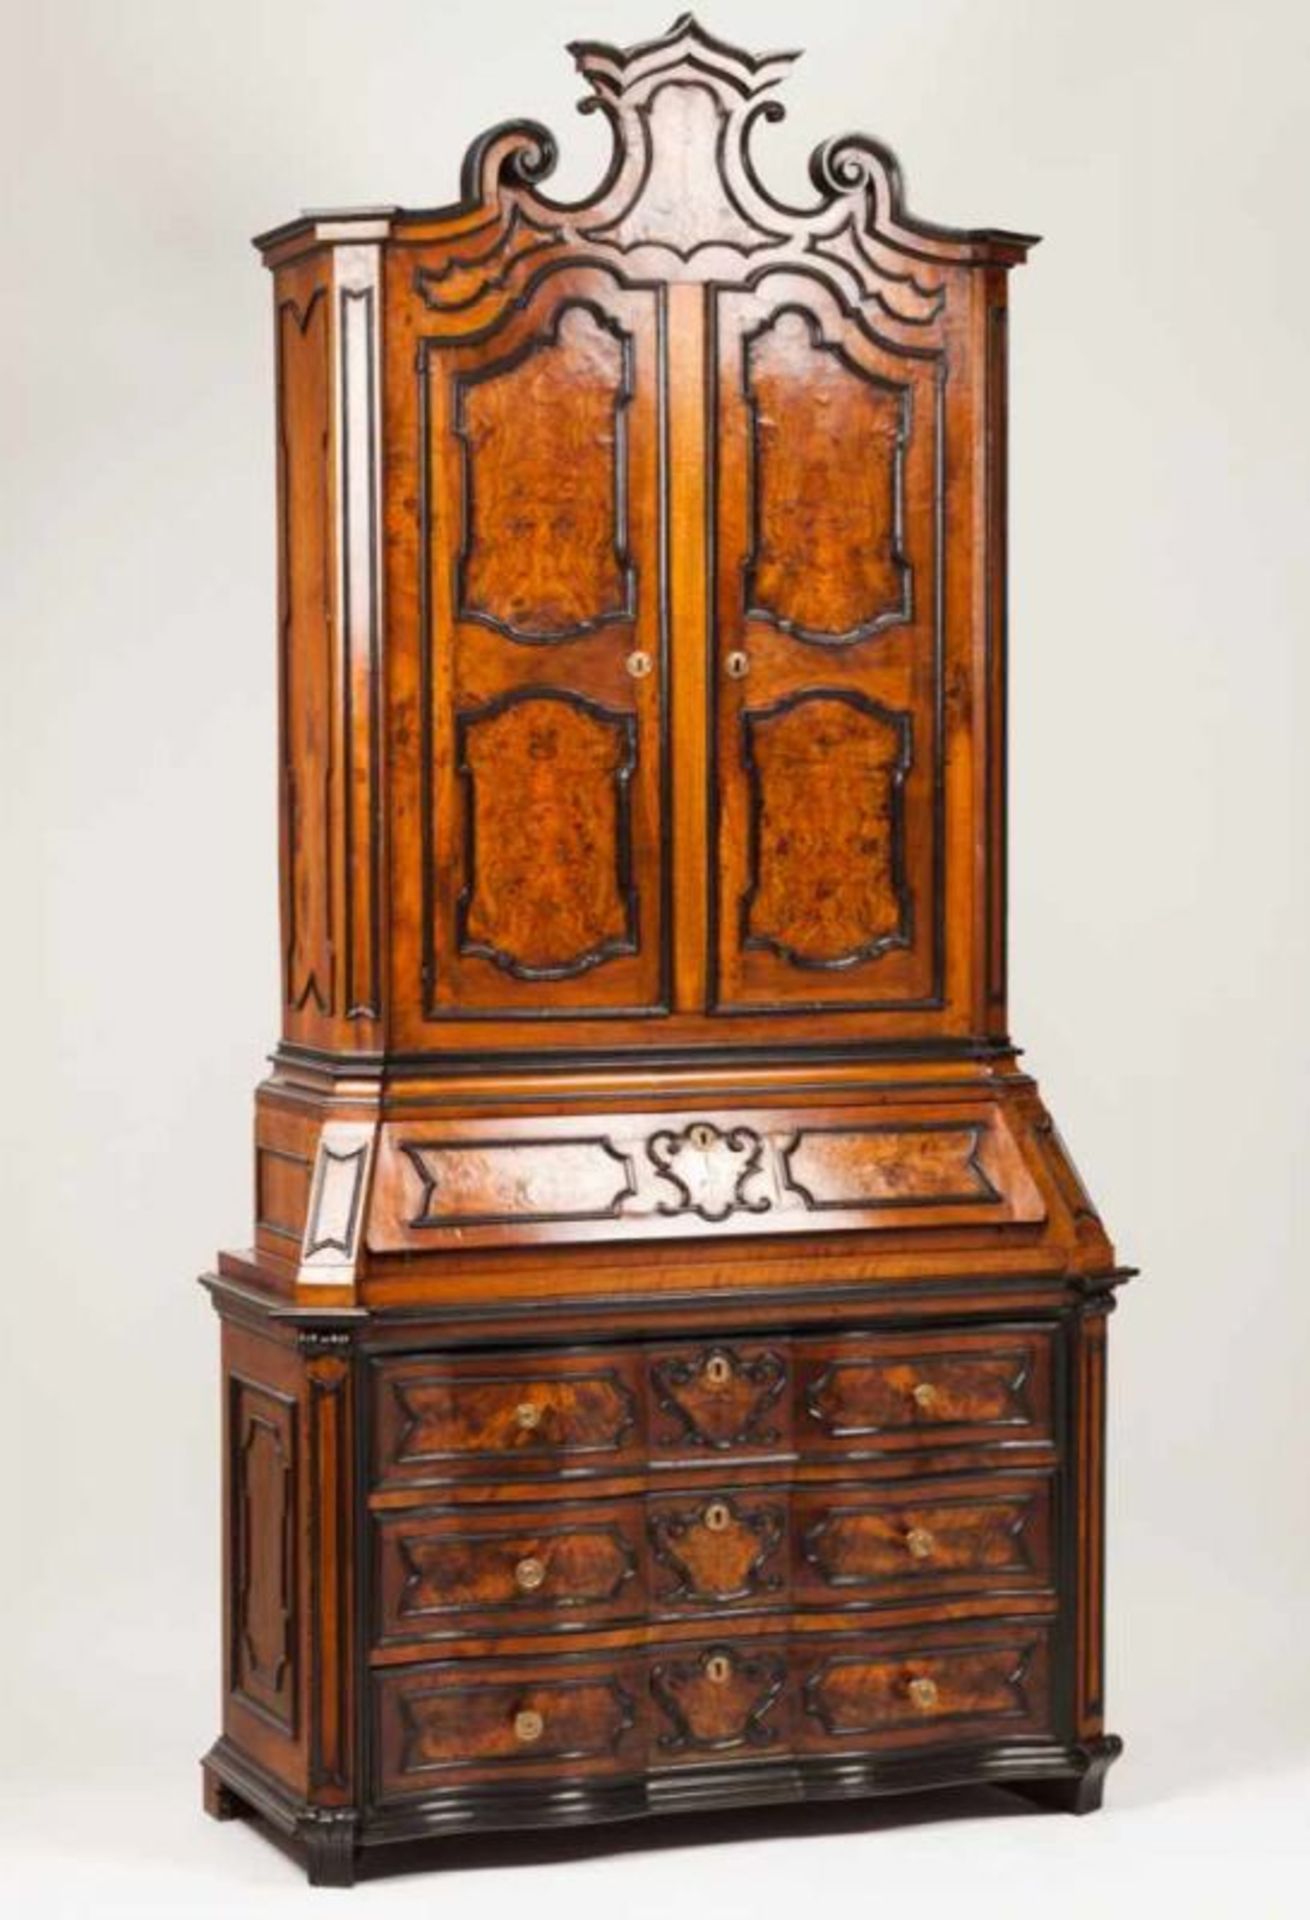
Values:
[(827, 444), (262, 1478), (826, 875), (548, 858), (545, 481)]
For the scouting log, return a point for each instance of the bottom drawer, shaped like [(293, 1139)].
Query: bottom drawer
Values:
[(908, 1690), (707, 1702), (464, 1720)]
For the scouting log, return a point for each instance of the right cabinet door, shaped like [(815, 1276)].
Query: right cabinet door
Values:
[(827, 681)]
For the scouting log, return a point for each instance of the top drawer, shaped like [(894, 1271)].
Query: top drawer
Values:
[(885, 1392), (580, 1414)]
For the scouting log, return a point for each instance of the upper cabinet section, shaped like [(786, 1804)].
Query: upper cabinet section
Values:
[(642, 581)]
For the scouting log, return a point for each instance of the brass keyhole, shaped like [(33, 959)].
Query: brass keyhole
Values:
[(925, 1396), (528, 1726), (639, 664), (717, 1370), (717, 1668), (919, 1543), (527, 1415), (701, 1137), (923, 1692), (717, 1516), (737, 665)]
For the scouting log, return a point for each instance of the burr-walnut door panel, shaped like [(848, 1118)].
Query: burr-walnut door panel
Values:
[(829, 530), (543, 658)]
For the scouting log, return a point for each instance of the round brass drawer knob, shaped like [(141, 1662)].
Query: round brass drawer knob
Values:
[(923, 1692), (528, 1726), (737, 665), (639, 664), (717, 1370), (527, 1414), (717, 1516), (529, 1574), (925, 1396), (919, 1543), (717, 1668)]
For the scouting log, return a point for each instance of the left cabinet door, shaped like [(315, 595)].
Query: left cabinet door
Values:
[(543, 661)]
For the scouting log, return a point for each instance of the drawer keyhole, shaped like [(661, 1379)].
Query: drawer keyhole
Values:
[(529, 1574), (919, 1543), (528, 1726), (717, 1668), (527, 1415), (717, 1370), (717, 1516), (925, 1396)]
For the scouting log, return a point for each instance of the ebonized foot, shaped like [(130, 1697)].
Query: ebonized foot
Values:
[(1083, 1792), (219, 1800), (328, 1835)]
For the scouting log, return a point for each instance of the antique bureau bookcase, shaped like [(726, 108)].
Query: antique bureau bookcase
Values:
[(669, 1369)]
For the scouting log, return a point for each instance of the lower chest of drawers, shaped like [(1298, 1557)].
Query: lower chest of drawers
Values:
[(613, 1561)]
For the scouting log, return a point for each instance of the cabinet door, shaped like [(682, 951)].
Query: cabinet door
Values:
[(826, 681), (543, 659)]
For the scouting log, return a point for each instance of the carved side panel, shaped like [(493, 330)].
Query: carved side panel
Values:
[(262, 1481), (548, 891), (545, 482), (304, 391), (827, 443), (826, 877)]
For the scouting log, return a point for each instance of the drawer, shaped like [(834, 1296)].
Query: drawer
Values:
[(904, 1391), (503, 1570), (720, 1702), (719, 1548), (440, 1726), (900, 1691), (854, 1546), (719, 1398), (448, 1418)]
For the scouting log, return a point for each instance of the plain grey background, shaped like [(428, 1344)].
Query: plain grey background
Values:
[(1160, 603)]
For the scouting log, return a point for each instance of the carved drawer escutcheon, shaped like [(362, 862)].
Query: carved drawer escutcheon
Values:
[(719, 1701), (718, 1550), (719, 1399)]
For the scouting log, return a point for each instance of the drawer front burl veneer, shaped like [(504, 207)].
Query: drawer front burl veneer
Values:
[(690, 1703), (729, 1397), (904, 1690), (922, 1541), (445, 1419), (493, 1569), (498, 1720), (873, 1394)]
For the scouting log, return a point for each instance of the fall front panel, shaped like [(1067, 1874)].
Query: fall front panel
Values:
[(829, 531), (544, 659)]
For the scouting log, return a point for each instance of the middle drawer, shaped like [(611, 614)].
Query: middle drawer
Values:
[(440, 1573)]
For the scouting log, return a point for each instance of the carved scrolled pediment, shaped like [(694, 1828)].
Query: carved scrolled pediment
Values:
[(682, 198)]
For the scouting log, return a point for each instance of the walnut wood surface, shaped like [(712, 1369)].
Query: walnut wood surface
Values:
[(669, 1370)]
